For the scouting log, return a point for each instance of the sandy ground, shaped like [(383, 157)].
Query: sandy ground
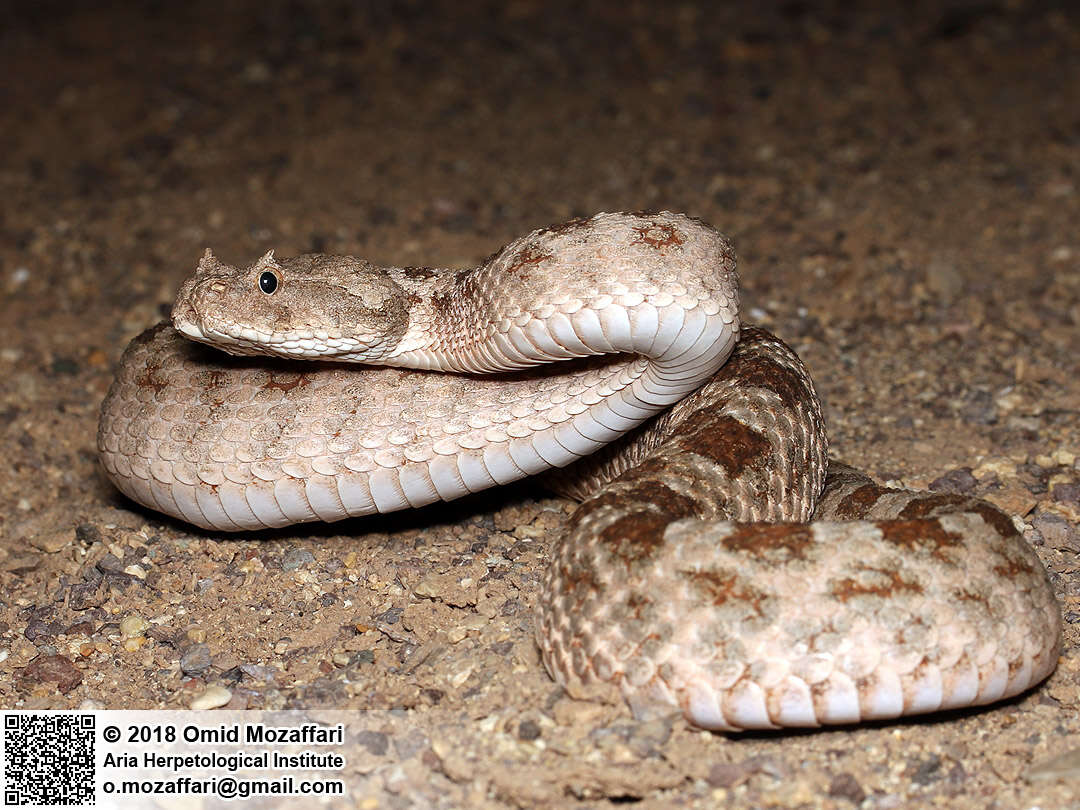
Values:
[(903, 192)]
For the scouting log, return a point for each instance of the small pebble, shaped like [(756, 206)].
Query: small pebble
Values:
[(133, 626), (87, 533), (195, 634), (259, 672), (296, 558), (212, 697), (225, 661), (528, 730)]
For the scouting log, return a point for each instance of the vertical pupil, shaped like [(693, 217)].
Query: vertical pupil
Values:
[(268, 282)]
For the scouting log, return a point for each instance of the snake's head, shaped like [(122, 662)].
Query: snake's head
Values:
[(310, 306)]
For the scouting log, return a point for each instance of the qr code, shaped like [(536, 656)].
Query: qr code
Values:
[(50, 759)]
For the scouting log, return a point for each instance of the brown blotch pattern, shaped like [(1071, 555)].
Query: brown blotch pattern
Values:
[(920, 534), (148, 377), (527, 256), (891, 585), (760, 539), (1015, 567), (725, 440), (857, 503), (718, 588), (570, 225), (658, 236), (754, 368), (285, 384), (148, 336), (652, 493), (994, 517), (923, 507), (447, 304), (582, 579), (635, 537)]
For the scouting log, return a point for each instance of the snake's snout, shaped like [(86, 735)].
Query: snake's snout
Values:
[(196, 295), (185, 317)]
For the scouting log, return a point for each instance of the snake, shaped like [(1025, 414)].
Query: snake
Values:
[(718, 565)]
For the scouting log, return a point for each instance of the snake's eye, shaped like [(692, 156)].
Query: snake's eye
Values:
[(268, 282)]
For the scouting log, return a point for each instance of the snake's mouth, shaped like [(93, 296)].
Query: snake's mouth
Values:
[(234, 341), (188, 328), (193, 329), (186, 320), (243, 340)]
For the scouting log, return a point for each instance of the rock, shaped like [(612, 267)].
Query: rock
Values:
[(84, 595), (52, 540), (925, 772), (376, 742), (390, 616), (36, 629), (87, 533), (225, 661), (193, 634), (728, 774), (195, 660), (53, 669), (1063, 767), (22, 563), (960, 481), (846, 786), (1056, 531), (109, 564)]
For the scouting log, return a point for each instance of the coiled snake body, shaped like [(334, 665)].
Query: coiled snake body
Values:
[(711, 566)]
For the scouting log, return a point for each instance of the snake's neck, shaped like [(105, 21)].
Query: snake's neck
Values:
[(449, 322)]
